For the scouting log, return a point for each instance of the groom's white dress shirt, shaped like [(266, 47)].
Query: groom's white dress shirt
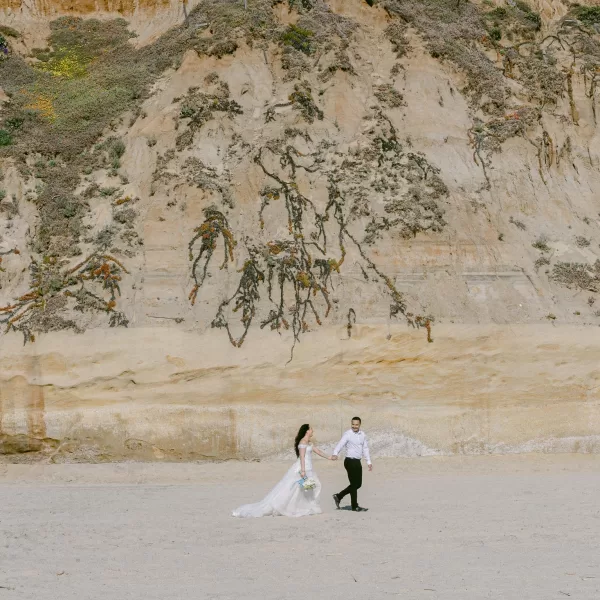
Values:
[(356, 445)]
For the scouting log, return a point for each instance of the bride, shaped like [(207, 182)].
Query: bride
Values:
[(288, 497)]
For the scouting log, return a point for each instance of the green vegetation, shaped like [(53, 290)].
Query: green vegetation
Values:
[(590, 15), (214, 227), (61, 105), (65, 103), (541, 244), (299, 38), (518, 224), (77, 43), (529, 14), (303, 101), (5, 138), (496, 33), (579, 276), (291, 270), (396, 33), (461, 32), (302, 4), (541, 261), (4, 49), (89, 77), (451, 32), (9, 31), (389, 96), (230, 21), (318, 32), (53, 286), (206, 178), (197, 108), (513, 22)]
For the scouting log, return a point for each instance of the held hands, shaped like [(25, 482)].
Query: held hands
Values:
[(334, 457), (303, 474)]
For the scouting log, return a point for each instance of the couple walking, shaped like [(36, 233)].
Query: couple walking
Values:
[(297, 494)]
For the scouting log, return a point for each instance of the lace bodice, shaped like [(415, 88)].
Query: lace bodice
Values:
[(307, 456)]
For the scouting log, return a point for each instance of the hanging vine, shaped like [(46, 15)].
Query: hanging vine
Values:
[(296, 274), (88, 283), (214, 226)]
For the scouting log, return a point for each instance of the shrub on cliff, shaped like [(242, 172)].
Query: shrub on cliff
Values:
[(5, 138), (590, 15), (298, 38), (3, 47)]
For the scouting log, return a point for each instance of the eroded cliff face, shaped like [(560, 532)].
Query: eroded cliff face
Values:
[(147, 18), (279, 215)]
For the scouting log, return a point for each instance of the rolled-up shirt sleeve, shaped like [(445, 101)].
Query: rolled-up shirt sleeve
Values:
[(366, 452), (340, 444)]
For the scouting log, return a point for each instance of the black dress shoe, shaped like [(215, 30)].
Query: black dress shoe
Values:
[(337, 501), (360, 509)]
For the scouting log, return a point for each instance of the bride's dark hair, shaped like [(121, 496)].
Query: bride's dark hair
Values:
[(301, 433)]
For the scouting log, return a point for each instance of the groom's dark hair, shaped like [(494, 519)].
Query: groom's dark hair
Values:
[(357, 419)]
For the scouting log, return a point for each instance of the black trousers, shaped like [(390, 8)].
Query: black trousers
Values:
[(353, 467)]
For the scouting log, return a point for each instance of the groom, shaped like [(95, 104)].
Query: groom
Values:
[(355, 442)]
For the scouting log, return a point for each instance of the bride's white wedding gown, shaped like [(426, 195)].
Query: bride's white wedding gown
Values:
[(287, 498)]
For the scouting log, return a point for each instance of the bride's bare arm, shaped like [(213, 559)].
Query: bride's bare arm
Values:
[(302, 455), (317, 451)]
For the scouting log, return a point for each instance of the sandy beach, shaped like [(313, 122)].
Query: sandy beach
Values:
[(510, 527)]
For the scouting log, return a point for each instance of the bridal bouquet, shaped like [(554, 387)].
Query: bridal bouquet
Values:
[(307, 484)]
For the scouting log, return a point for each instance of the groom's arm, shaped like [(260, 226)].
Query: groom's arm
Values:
[(367, 454), (340, 445)]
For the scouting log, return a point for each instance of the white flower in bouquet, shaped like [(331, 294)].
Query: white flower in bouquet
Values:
[(308, 484)]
